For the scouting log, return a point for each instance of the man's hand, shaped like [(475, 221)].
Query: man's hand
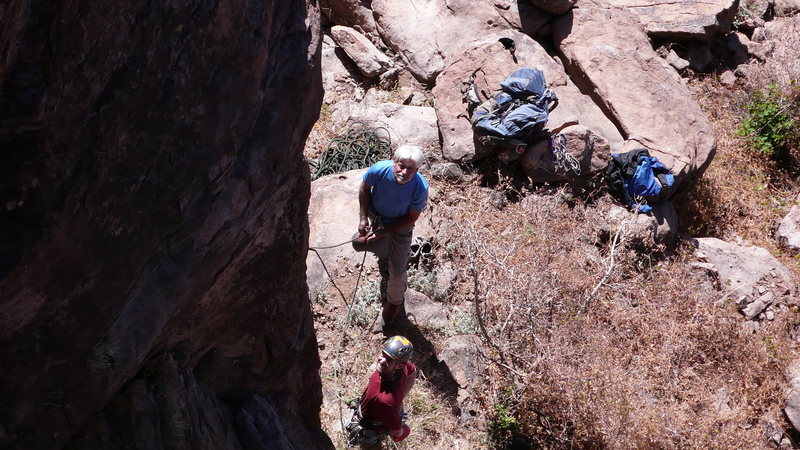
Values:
[(399, 435), (375, 235), (363, 227)]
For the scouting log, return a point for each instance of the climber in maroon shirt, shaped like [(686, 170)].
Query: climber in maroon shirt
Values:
[(381, 404)]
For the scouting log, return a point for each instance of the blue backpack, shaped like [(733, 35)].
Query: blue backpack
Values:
[(518, 114), (637, 178)]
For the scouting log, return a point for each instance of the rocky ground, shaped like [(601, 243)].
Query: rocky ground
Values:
[(546, 314)]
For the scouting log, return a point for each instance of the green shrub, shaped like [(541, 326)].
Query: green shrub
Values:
[(770, 124), (504, 423)]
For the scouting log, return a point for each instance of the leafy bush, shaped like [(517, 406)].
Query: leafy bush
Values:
[(770, 124), (504, 423)]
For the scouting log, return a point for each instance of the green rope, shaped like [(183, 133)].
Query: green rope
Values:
[(359, 147)]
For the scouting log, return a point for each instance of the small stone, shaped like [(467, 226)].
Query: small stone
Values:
[(770, 315), (728, 78)]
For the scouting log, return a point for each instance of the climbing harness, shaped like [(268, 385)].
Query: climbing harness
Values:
[(562, 159), (359, 147), (363, 432), (360, 431)]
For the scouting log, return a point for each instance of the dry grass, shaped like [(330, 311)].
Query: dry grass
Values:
[(743, 193), (643, 364)]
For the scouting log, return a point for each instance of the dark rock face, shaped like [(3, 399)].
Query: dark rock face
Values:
[(153, 224)]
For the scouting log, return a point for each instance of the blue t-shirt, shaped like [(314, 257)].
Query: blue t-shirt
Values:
[(391, 200)]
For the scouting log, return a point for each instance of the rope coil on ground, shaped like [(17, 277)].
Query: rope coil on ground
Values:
[(359, 147)]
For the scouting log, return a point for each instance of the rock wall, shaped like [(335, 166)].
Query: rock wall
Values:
[(153, 226)]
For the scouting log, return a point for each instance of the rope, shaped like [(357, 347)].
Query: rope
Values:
[(314, 249), (359, 147)]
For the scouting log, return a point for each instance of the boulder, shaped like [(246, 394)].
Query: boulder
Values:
[(369, 60), (779, 40), (607, 49), (404, 123), (424, 312), (792, 408), (448, 171), (752, 309), (337, 80), (681, 20), (425, 32), (488, 62), (788, 231), (727, 78), (747, 270), (353, 13), (787, 7), (643, 231), (333, 219), (464, 357), (585, 155), (676, 61)]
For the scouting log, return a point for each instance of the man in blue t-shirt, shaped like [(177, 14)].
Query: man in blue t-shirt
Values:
[(391, 198)]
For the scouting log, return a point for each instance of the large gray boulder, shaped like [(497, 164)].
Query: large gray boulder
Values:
[(404, 124), (779, 36), (337, 79), (488, 62), (585, 154), (369, 60), (425, 32), (465, 358), (792, 408), (788, 232), (424, 312), (683, 19), (352, 13), (608, 50), (748, 273)]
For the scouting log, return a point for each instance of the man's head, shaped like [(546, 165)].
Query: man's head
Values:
[(396, 352), (407, 160)]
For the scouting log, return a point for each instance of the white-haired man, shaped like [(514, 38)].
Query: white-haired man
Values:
[(392, 195)]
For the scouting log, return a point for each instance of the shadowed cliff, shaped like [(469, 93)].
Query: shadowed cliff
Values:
[(153, 224)]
